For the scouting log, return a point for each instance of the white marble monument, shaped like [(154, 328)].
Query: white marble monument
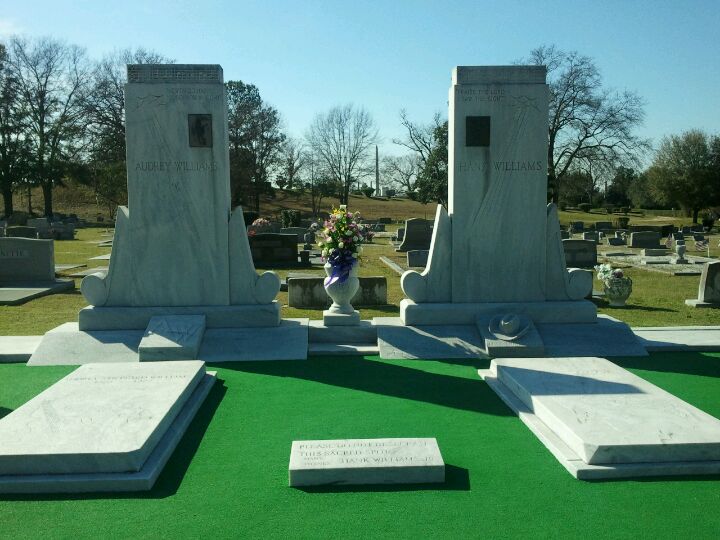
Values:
[(181, 259), (497, 250), (177, 242)]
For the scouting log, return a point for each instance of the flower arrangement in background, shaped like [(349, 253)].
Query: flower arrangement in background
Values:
[(260, 225), (606, 272), (342, 241), (617, 287)]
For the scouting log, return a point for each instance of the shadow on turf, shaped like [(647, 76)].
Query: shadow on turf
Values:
[(172, 474), (456, 479), (687, 362), (4, 412), (357, 373)]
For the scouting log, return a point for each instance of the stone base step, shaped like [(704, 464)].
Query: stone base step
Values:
[(365, 332), (333, 349)]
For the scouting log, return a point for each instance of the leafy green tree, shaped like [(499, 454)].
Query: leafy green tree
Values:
[(618, 193), (14, 148), (432, 181), (685, 172), (256, 141)]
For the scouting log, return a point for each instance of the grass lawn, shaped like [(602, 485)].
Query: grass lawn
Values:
[(657, 299), (228, 477)]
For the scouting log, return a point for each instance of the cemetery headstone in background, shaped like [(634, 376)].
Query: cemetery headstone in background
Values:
[(645, 239), (27, 270), (418, 233), (709, 289), (580, 253), (274, 249), (20, 231)]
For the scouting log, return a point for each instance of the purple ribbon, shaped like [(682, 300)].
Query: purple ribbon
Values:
[(341, 261)]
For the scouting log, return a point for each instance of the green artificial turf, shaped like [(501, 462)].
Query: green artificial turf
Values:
[(228, 477)]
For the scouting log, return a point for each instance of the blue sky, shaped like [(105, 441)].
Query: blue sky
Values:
[(308, 56)]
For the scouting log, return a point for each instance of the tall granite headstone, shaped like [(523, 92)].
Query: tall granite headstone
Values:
[(498, 245), (177, 242)]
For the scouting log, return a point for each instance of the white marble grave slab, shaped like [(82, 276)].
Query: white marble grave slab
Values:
[(172, 337), (602, 416), (398, 342), (102, 418), (141, 480), (366, 461)]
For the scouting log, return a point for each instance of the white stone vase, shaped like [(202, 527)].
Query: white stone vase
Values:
[(342, 293), (617, 290)]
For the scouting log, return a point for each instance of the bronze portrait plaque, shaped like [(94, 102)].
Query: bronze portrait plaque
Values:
[(477, 131), (200, 130)]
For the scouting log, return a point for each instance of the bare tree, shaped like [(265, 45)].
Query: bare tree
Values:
[(402, 171), (51, 77), (342, 138), (586, 121), (291, 161), (420, 138), (104, 107)]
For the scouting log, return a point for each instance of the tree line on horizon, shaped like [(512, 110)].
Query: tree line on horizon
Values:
[(62, 121)]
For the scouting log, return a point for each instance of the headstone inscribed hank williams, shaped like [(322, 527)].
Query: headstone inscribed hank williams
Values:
[(498, 247), (498, 133)]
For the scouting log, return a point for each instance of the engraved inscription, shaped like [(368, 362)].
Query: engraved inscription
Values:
[(172, 73), (367, 452), (200, 130), (482, 94), (479, 166), (175, 166), (14, 253)]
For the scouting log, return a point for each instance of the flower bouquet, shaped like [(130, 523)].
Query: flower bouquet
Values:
[(342, 243)]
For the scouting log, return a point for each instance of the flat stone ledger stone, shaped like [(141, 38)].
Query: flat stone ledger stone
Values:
[(174, 337), (366, 461), (606, 415), (101, 418), (526, 343)]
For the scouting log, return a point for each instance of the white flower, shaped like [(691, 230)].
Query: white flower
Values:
[(324, 253), (343, 207), (341, 245)]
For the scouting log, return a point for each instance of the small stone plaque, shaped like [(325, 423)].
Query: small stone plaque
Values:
[(200, 130), (477, 131), (366, 461)]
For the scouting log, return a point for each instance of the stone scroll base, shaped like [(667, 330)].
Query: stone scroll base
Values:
[(173, 338), (112, 428), (600, 421), (445, 313), (138, 318), (604, 337)]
